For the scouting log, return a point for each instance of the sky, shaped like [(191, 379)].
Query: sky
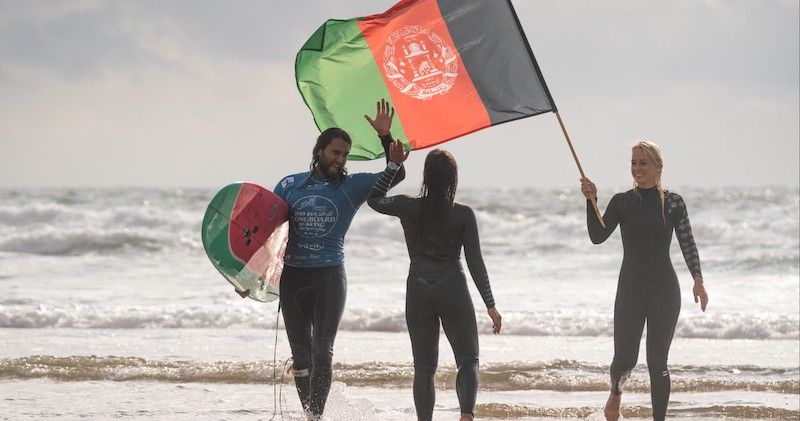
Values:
[(202, 93)]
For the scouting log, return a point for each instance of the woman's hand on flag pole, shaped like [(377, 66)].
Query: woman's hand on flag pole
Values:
[(382, 122), (588, 188)]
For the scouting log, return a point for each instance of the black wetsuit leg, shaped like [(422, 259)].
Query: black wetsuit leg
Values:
[(442, 296), (312, 302), (423, 328), (660, 309), (629, 317), (461, 329), (662, 317)]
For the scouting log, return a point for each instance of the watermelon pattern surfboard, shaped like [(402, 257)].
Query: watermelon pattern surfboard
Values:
[(244, 234)]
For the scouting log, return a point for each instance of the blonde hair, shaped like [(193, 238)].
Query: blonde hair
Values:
[(657, 158)]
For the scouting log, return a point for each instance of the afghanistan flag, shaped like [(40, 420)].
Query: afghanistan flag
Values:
[(449, 67)]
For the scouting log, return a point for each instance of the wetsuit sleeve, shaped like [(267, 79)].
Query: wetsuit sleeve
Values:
[(401, 173), (377, 195), (362, 188), (384, 181), (683, 230), (394, 205), (472, 252), (612, 217)]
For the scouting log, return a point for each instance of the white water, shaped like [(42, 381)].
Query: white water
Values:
[(122, 272)]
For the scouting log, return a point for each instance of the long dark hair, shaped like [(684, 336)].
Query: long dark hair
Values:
[(325, 138), (438, 192)]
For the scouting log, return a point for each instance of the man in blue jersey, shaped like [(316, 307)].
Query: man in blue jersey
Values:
[(313, 286)]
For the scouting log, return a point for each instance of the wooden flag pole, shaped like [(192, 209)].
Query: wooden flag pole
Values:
[(575, 156)]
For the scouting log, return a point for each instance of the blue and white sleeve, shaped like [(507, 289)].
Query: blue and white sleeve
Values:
[(377, 199)]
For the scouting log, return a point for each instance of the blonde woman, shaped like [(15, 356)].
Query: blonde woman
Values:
[(648, 287)]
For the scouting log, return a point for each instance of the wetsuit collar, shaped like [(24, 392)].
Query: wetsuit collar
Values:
[(316, 177), (651, 189)]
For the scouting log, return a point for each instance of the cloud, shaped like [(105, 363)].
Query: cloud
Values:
[(81, 39), (202, 92)]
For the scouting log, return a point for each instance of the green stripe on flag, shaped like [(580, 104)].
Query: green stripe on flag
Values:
[(335, 62)]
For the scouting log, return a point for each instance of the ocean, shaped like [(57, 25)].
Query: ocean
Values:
[(110, 309)]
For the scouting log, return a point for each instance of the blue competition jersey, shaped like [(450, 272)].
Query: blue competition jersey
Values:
[(320, 212)]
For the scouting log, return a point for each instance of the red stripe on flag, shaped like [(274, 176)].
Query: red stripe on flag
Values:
[(431, 90)]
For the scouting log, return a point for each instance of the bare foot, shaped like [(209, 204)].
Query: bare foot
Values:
[(466, 417), (612, 407)]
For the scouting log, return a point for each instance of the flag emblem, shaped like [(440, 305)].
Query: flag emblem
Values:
[(419, 62)]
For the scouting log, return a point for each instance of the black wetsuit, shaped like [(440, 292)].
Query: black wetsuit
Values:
[(648, 287), (436, 291), (313, 284)]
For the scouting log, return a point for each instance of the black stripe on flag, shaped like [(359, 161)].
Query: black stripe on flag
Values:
[(497, 57)]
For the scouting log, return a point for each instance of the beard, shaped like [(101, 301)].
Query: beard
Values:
[(331, 170)]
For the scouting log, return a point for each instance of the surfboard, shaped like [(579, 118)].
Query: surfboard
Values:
[(244, 235)]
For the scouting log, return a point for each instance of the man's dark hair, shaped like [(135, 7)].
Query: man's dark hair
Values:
[(325, 138)]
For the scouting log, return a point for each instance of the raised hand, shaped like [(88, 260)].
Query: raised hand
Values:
[(396, 152), (383, 117)]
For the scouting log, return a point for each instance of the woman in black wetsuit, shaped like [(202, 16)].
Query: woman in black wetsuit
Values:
[(435, 229), (648, 286)]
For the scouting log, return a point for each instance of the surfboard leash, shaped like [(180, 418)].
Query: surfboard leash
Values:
[(280, 390), (277, 391), (274, 366)]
